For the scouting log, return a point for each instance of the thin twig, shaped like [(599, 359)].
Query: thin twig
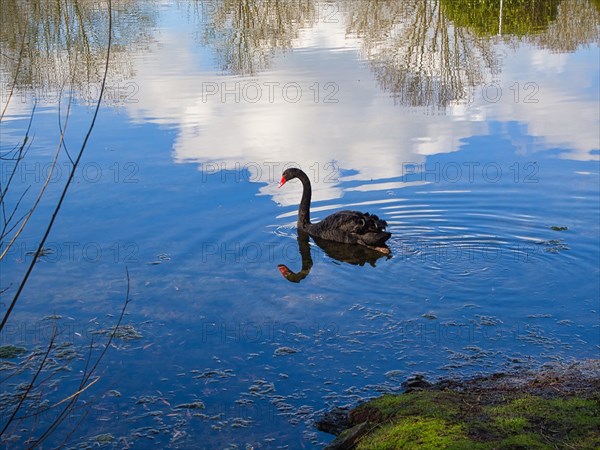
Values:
[(68, 183), (66, 411), (19, 154), (76, 393), (30, 386), (42, 190)]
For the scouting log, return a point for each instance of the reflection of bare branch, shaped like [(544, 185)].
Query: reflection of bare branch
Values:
[(576, 24), (17, 155), (69, 179), (246, 34), (44, 186), (64, 44), (416, 54), (433, 53), (16, 74)]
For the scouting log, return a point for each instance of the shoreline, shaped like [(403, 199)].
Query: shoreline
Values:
[(555, 406)]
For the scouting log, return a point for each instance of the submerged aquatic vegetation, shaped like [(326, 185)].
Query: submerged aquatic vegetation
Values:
[(11, 351), (194, 405), (557, 228), (123, 332), (554, 245)]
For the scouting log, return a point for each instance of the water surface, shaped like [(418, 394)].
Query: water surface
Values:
[(478, 145)]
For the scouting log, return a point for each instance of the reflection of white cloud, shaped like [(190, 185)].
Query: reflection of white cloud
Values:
[(168, 82), (341, 115), (547, 93), (545, 61), (361, 130), (387, 186), (349, 205), (15, 110)]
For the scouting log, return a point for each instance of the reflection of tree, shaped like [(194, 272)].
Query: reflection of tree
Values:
[(416, 53), (246, 34), (513, 17), (432, 53), (52, 43), (554, 24), (576, 24)]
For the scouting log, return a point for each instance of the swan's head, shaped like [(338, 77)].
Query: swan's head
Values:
[(283, 269), (288, 175)]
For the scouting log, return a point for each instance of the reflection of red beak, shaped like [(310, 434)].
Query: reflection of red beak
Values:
[(282, 182), (284, 270)]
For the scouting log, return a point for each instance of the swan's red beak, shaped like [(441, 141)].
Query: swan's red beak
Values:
[(282, 182), (284, 270)]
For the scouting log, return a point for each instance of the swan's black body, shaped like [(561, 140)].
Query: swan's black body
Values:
[(348, 227)]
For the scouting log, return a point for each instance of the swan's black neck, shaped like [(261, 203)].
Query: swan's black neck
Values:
[(307, 262), (304, 209)]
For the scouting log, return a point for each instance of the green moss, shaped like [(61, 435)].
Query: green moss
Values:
[(454, 420), (563, 421), (426, 403), (420, 419), (511, 424), (524, 441), (417, 432)]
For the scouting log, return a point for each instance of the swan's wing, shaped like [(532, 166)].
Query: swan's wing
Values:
[(352, 222)]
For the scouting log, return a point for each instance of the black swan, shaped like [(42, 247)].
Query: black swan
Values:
[(348, 227)]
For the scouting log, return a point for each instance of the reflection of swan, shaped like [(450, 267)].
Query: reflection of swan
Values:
[(307, 263), (348, 227), (352, 254)]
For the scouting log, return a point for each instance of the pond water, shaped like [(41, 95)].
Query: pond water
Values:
[(473, 133)]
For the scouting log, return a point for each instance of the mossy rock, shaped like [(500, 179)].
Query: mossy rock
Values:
[(449, 419)]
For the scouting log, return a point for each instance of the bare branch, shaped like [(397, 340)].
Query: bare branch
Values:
[(76, 393), (31, 384), (70, 178)]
